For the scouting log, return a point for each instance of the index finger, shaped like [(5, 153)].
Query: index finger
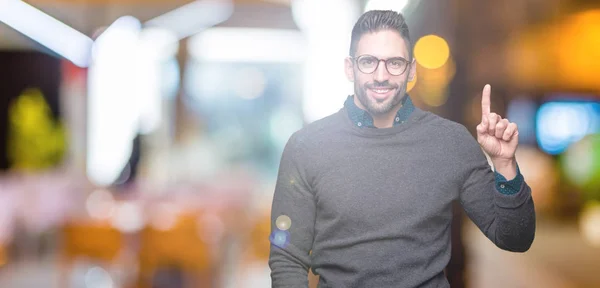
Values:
[(485, 100)]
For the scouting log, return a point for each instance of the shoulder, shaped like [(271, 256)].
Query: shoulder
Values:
[(448, 131), (316, 132), (456, 140), (303, 147)]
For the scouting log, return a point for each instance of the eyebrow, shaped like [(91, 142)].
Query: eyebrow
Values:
[(381, 58)]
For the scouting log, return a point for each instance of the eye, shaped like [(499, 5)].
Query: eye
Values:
[(367, 61), (396, 63)]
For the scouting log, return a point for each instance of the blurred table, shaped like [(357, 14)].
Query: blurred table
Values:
[(558, 258)]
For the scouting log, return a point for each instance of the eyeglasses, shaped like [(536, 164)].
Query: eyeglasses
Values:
[(368, 64)]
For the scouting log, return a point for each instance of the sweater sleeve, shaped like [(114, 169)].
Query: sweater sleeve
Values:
[(292, 221), (507, 219)]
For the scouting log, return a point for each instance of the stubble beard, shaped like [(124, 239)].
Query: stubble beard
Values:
[(375, 107)]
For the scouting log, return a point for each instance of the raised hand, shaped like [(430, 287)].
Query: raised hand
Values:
[(497, 136)]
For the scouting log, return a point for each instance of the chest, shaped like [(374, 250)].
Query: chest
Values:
[(385, 181)]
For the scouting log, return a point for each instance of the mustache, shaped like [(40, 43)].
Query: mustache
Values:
[(384, 84)]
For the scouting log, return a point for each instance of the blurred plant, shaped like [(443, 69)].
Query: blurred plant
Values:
[(581, 166), (35, 141)]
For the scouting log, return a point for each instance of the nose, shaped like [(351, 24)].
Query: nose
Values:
[(381, 74)]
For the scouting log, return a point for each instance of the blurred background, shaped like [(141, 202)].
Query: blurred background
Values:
[(140, 139)]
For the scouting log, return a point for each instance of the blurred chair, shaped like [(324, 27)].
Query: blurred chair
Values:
[(96, 241), (259, 239), (179, 248), (3, 256)]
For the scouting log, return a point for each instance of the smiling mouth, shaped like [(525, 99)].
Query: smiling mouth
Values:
[(381, 90)]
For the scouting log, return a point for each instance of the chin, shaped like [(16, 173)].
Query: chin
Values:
[(378, 105), (380, 108)]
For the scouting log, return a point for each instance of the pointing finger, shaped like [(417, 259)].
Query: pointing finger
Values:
[(485, 100)]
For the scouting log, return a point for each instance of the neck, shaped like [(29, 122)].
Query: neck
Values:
[(381, 120)]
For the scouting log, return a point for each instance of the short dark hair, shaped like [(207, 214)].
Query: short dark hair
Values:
[(378, 20)]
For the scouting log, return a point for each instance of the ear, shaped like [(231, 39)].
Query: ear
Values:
[(412, 70), (349, 68)]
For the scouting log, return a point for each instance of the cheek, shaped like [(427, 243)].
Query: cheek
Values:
[(362, 79)]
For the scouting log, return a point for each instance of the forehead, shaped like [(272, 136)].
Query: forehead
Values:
[(382, 44)]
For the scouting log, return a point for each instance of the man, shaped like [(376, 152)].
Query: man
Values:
[(364, 196)]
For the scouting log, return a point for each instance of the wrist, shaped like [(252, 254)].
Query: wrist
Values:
[(504, 162), (506, 167)]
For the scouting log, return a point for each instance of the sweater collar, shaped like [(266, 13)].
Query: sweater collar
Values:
[(362, 118)]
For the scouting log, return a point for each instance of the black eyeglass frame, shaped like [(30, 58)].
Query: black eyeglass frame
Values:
[(386, 61)]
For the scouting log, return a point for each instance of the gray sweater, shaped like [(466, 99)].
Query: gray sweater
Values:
[(372, 207)]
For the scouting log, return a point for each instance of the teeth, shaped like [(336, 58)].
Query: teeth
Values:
[(381, 90)]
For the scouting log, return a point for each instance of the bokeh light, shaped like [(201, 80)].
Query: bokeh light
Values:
[(581, 165), (589, 223), (578, 50), (251, 83), (100, 204), (280, 238), (128, 217), (559, 124), (98, 278), (283, 222), (433, 83), (570, 47), (282, 124), (164, 216), (432, 51)]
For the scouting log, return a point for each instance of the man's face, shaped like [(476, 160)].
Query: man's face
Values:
[(380, 92)]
